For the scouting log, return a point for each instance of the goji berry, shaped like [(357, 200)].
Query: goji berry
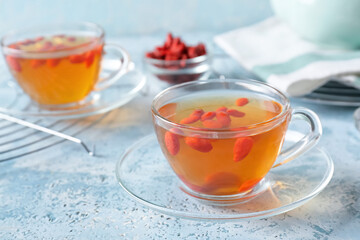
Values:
[(13, 63), (223, 118), (89, 58), (35, 63), (242, 102), (242, 148), (194, 117), (198, 143), (235, 113), (172, 143), (221, 109), (208, 116), (78, 58), (212, 124), (53, 62)]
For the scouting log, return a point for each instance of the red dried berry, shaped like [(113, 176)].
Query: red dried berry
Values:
[(221, 109), (53, 62), (223, 118), (194, 117), (172, 143), (235, 113), (242, 148), (208, 116), (198, 143), (14, 63), (35, 63), (242, 102), (212, 124), (89, 58), (78, 58)]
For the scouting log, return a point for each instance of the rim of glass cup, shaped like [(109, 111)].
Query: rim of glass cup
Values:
[(63, 27), (270, 122), (198, 59)]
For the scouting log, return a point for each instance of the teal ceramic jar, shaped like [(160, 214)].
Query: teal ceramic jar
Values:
[(331, 22)]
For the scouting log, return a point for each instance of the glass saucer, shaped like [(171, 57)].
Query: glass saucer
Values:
[(13, 101), (146, 176)]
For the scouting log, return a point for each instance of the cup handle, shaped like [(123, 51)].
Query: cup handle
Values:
[(124, 57), (307, 141)]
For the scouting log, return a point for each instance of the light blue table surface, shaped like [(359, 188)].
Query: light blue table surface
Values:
[(61, 193)]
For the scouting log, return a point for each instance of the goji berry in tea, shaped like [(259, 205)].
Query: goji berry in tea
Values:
[(223, 118), (214, 124), (13, 63), (53, 62), (235, 113), (198, 143), (221, 109), (194, 117), (172, 143), (242, 148), (208, 116), (242, 102), (78, 58), (35, 63)]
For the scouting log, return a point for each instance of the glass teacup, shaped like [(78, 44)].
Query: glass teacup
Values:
[(59, 65), (222, 137)]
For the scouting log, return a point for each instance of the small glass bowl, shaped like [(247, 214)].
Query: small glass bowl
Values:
[(179, 71)]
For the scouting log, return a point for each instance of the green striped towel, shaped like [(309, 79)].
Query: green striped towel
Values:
[(271, 50)]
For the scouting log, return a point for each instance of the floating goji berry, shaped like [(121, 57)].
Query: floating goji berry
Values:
[(198, 143), (35, 63), (242, 102), (221, 109), (89, 58), (212, 124), (223, 118), (208, 116), (172, 143), (235, 113), (194, 117), (78, 58), (242, 148), (99, 50), (53, 62), (13, 63), (249, 184)]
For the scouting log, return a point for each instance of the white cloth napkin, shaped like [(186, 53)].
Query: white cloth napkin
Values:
[(275, 53)]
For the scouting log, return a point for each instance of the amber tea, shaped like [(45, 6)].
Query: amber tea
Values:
[(216, 165), (65, 70)]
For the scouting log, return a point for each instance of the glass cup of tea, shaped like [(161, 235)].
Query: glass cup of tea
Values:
[(59, 65), (222, 137)]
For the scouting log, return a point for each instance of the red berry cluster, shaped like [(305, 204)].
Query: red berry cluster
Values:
[(175, 49)]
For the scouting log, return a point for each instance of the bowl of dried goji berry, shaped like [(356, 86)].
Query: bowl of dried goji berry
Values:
[(176, 62)]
